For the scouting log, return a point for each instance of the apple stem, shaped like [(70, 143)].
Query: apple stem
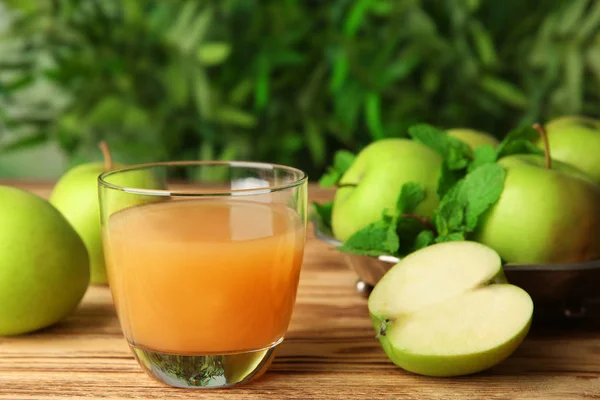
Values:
[(342, 185), (544, 137), (425, 221), (106, 153)]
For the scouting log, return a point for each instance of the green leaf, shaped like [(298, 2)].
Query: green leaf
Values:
[(460, 209), (448, 179), (316, 142), (452, 237), (24, 142), (340, 71), (484, 44), (483, 188), (378, 238), (343, 160), (408, 229), (571, 16), (195, 32), (202, 93), (482, 155), (234, 116), (356, 16), (373, 115), (213, 53), (330, 178), (261, 91), (176, 83), (519, 141), (456, 154), (411, 195), (424, 239), (323, 213), (504, 91)]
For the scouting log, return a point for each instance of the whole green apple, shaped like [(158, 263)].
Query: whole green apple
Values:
[(543, 215), (446, 310), (76, 197), (472, 137), (576, 141), (44, 266), (373, 182)]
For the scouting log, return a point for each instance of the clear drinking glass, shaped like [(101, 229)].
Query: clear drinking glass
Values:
[(203, 261)]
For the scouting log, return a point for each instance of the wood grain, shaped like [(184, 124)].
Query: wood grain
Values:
[(330, 352)]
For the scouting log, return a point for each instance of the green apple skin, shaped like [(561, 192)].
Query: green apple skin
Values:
[(76, 197), (472, 137), (379, 172), (543, 215), (455, 365), (458, 293), (44, 265), (576, 141)]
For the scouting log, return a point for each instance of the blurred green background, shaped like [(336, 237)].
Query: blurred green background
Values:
[(286, 81)]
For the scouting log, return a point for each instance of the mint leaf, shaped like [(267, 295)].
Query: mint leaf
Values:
[(342, 160), (330, 178), (483, 188), (456, 154), (424, 239), (519, 141), (447, 180), (482, 155), (378, 238), (460, 208), (408, 229), (452, 237), (411, 195), (323, 212)]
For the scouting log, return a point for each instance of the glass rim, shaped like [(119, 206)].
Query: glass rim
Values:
[(212, 192)]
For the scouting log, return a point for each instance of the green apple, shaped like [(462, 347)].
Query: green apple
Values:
[(44, 266), (373, 182), (576, 141), (76, 197), (472, 137), (446, 310), (543, 215)]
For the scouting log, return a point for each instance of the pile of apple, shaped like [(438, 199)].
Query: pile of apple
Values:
[(446, 308), (50, 251)]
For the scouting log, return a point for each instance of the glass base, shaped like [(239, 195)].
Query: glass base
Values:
[(204, 371)]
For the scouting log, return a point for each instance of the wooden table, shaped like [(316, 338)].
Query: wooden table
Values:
[(330, 352)]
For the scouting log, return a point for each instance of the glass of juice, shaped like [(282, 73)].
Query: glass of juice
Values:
[(203, 261)]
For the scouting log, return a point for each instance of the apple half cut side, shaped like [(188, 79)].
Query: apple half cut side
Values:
[(446, 310)]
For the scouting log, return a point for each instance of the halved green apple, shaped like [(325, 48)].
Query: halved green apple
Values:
[(447, 310)]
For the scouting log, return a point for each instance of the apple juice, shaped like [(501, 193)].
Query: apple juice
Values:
[(204, 277)]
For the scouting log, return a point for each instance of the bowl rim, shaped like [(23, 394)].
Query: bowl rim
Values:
[(586, 265)]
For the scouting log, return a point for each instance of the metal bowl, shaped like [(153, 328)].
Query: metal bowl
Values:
[(565, 287)]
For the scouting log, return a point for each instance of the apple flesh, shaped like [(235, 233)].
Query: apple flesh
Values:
[(543, 215), (44, 267), (375, 180), (472, 137), (576, 141), (446, 310)]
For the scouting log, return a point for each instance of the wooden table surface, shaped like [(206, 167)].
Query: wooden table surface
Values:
[(330, 352)]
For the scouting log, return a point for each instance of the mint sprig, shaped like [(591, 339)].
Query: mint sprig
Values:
[(471, 181), (342, 160), (395, 233), (519, 141), (459, 210)]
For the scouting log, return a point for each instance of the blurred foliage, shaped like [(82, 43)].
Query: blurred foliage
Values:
[(287, 81)]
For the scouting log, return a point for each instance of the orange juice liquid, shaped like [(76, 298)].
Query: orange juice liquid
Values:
[(204, 276)]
